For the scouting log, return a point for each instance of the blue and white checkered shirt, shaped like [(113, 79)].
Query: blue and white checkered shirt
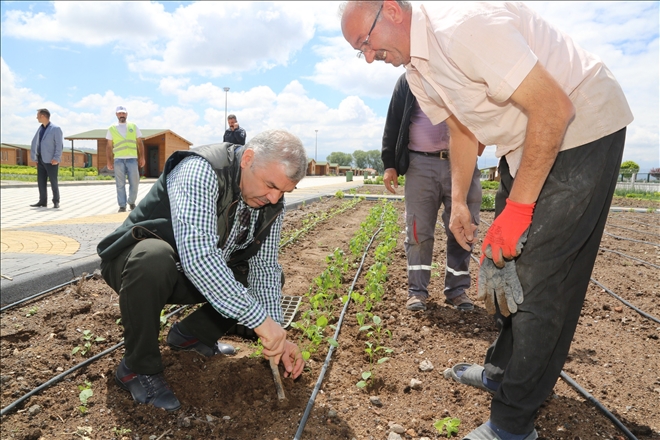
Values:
[(193, 190)]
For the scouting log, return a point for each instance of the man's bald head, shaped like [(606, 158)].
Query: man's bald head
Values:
[(379, 30)]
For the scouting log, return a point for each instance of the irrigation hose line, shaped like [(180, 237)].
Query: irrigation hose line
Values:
[(61, 376), (312, 399), (628, 256), (634, 230), (644, 314), (595, 401), (630, 239), (37, 295)]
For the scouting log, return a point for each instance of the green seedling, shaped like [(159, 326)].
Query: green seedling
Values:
[(33, 311), (339, 194), (120, 432), (88, 339), (435, 267), (450, 424), (257, 348), (85, 393)]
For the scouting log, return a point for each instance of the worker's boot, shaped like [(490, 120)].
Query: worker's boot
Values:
[(150, 389), (179, 341)]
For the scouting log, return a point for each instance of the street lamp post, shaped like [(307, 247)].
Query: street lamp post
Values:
[(316, 144), (226, 89)]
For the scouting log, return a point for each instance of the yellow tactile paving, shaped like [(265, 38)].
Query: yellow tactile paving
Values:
[(117, 217), (37, 243)]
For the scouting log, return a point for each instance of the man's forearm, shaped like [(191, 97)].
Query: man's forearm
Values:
[(463, 148), (108, 152)]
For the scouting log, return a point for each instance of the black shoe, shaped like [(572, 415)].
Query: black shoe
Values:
[(150, 389), (132, 206), (56, 205), (179, 341), (38, 205), (122, 209)]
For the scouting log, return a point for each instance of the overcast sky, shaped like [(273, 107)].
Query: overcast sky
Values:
[(286, 64)]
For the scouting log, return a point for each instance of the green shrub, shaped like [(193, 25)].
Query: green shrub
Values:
[(489, 184)]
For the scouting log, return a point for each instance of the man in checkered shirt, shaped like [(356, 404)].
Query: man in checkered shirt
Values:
[(208, 232)]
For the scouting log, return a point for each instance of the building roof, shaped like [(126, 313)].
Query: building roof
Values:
[(320, 162), (100, 133), (21, 146)]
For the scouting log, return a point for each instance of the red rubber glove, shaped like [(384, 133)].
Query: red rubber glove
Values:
[(505, 232)]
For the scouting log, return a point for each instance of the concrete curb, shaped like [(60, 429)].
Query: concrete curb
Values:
[(31, 283)]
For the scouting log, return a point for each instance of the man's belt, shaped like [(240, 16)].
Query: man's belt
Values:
[(442, 154)]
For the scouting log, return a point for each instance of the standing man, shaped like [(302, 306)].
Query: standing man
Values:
[(207, 232), (46, 151), (125, 153), (234, 134), (501, 75), (413, 146)]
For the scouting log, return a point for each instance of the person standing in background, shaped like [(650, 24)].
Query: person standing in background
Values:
[(46, 151), (125, 153), (234, 134)]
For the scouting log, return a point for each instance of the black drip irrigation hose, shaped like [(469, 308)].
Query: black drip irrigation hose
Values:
[(630, 239), (634, 230), (641, 312), (37, 295), (319, 381), (628, 256), (598, 405), (61, 376)]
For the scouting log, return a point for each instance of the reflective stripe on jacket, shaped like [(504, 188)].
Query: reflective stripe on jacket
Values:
[(124, 146)]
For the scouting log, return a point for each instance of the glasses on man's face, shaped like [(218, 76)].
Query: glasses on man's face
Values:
[(366, 41)]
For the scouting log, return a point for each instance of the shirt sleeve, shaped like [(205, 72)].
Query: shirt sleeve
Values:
[(108, 135), (490, 48), (193, 191), (265, 275), (138, 133)]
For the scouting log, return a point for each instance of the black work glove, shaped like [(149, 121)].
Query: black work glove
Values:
[(500, 284)]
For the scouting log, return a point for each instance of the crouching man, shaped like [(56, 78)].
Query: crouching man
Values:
[(207, 232)]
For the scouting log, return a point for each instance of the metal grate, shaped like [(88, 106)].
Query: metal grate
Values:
[(290, 306)]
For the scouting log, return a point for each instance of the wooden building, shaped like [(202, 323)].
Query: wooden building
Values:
[(159, 144), (14, 154), (19, 154)]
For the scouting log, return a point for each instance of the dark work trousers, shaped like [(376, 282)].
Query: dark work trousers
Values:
[(45, 172), (554, 270), (146, 278), (428, 186)]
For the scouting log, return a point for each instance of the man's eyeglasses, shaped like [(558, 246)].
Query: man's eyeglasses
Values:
[(366, 41)]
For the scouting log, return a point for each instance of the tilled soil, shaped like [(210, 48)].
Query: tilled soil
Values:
[(614, 356)]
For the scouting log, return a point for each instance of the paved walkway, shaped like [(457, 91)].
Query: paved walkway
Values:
[(45, 247)]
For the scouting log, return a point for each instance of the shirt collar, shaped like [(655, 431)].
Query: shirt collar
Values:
[(43, 127), (419, 45)]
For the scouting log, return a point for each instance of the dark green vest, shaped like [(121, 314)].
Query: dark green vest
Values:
[(152, 218)]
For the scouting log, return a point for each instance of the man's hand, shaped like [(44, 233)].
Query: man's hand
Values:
[(503, 238), (461, 225), (273, 338), (500, 284), (141, 162), (391, 178), (111, 165), (54, 162), (292, 360)]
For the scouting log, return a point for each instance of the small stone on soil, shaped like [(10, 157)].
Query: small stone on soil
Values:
[(34, 410), (415, 384), (397, 428), (425, 366), (375, 400), (394, 436)]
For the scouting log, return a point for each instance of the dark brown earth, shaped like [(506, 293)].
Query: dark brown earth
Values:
[(614, 356)]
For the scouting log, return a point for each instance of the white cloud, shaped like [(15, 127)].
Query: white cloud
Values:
[(342, 70)]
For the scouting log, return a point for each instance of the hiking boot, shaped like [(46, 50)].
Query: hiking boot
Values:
[(122, 209), (150, 389), (132, 206), (416, 303), (461, 302), (179, 341)]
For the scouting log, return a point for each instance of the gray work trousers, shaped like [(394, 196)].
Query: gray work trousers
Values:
[(554, 270), (428, 185)]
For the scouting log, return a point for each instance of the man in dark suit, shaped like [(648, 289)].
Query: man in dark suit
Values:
[(46, 151)]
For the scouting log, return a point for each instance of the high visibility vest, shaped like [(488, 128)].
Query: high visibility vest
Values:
[(124, 146)]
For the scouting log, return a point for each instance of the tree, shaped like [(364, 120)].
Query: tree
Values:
[(361, 159), (343, 159), (628, 168), (374, 160)]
